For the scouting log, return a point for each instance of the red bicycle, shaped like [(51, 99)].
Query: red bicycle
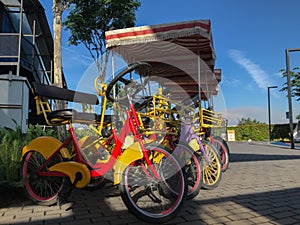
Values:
[(151, 181)]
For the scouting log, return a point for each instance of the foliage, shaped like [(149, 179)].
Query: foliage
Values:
[(260, 132), (298, 117), (281, 131), (248, 121), (295, 82), (84, 131), (254, 132), (88, 20), (11, 144)]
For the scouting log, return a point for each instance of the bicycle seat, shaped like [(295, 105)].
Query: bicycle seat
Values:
[(61, 116), (91, 118)]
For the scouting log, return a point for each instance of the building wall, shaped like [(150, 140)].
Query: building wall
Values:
[(36, 52)]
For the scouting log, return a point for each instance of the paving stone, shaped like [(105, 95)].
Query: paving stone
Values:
[(282, 209), (297, 217), (7, 219), (240, 216), (260, 219), (193, 223), (261, 207), (287, 221), (220, 212), (261, 186), (77, 222), (176, 220), (238, 209), (191, 217), (239, 222), (282, 215), (101, 220), (217, 220)]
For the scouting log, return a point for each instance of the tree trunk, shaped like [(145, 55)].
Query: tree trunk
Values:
[(58, 9), (57, 29)]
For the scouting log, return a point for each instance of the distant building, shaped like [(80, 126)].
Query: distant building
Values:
[(26, 56)]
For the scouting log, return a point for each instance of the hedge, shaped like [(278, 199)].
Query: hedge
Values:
[(260, 132)]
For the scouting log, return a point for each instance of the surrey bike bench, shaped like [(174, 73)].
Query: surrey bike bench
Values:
[(45, 92)]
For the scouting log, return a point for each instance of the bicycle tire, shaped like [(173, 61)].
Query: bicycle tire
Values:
[(152, 200), (192, 164), (212, 170), (224, 152), (40, 189)]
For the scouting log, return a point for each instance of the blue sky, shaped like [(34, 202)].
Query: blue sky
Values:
[(250, 38)]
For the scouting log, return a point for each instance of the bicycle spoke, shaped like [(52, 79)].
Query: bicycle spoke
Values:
[(156, 199), (41, 189)]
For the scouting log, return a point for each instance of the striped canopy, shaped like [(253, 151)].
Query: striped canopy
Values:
[(180, 54)]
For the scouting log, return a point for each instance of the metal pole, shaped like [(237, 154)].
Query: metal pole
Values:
[(289, 97), (270, 138), (199, 73), (269, 112), (20, 38)]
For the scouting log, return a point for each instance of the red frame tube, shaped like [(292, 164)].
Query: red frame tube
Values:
[(130, 126)]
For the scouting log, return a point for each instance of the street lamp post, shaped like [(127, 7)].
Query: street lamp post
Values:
[(269, 112), (287, 51)]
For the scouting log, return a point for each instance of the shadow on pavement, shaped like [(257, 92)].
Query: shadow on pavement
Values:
[(105, 207), (278, 207), (95, 206), (245, 157)]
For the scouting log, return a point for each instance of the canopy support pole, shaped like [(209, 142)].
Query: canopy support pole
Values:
[(113, 70), (199, 72)]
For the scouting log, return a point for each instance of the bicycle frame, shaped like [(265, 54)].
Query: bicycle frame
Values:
[(132, 153), (118, 160), (188, 136), (144, 172), (161, 111)]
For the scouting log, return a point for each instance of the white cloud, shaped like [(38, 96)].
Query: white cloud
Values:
[(234, 114), (258, 113), (231, 82), (76, 56), (260, 77)]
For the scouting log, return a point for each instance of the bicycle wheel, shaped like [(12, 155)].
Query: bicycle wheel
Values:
[(43, 190), (212, 167), (191, 162), (150, 199), (223, 148)]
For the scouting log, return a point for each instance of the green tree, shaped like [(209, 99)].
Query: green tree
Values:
[(87, 22), (295, 82), (248, 121)]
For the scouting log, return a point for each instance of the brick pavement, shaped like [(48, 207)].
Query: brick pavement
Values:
[(261, 186)]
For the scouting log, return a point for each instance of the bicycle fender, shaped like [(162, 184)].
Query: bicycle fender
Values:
[(78, 173), (46, 146), (131, 154)]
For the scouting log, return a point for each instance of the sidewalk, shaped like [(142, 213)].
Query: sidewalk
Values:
[(279, 144), (261, 186), (286, 144)]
